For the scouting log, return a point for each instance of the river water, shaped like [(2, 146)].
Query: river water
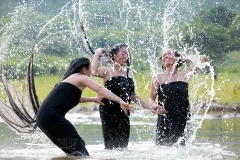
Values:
[(217, 139)]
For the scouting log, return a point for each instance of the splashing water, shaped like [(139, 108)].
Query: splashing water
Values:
[(29, 32)]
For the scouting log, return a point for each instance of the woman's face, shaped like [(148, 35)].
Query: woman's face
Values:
[(86, 71), (89, 70), (168, 58), (122, 56)]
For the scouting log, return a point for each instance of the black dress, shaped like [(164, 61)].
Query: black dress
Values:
[(115, 124), (170, 127), (51, 119)]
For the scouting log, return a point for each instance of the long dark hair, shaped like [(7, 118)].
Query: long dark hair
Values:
[(15, 113), (76, 65)]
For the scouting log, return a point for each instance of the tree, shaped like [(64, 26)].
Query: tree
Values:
[(209, 31), (233, 34)]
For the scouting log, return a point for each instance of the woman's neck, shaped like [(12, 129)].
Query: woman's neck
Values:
[(171, 70), (118, 67)]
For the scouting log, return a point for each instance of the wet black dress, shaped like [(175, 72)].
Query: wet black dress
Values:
[(51, 119), (115, 124), (170, 127)]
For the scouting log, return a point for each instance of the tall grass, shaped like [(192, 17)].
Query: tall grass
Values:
[(226, 87)]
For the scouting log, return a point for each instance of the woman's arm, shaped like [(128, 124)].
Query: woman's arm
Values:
[(86, 99), (96, 71), (153, 91), (153, 95), (136, 98), (96, 99), (139, 101), (88, 82)]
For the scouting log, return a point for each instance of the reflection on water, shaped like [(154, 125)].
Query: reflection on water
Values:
[(217, 139)]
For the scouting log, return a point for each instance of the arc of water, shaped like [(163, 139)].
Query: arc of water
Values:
[(212, 93), (30, 78), (83, 30)]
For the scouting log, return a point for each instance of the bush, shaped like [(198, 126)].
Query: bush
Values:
[(43, 65)]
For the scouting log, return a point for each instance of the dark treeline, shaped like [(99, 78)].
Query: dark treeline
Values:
[(215, 31), (212, 27)]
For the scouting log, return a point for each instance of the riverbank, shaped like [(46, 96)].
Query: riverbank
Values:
[(228, 108)]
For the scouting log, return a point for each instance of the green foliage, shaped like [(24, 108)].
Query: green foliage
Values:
[(233, 34), (230, 64), (227, 82), (219, 16), (43, 65), (207, 38), (107, 38), (215, 32), (212, 32), (227, 88)]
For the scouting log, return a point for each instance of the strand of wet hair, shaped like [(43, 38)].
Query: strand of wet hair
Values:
[(86, 39), (30, 75), (27, 122), (31, 84), (85, 35)]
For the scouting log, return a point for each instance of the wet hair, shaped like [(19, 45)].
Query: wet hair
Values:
[(15, 113), (76, 66), (116, 48), (179, 62)]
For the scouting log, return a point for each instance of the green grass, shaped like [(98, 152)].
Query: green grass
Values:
[(226, 87)]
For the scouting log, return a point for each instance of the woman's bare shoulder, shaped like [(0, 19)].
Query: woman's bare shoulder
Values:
[(105, 69), (160, 75)]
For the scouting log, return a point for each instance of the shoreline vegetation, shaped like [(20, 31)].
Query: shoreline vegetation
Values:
[(227, 108), (214, 31), (226, 88), (226, 98)]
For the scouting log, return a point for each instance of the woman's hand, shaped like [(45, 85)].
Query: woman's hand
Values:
[(98, 99), (203, 58), (187, 60), (158, 109), (125, 107), (99, 51)]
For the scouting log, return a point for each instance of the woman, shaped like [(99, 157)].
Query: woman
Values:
[(171, 87), (50, 117), (118, 79)]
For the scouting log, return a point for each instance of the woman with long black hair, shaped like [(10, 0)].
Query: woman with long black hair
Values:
[(119, 80), (171, 88), (50, 115)]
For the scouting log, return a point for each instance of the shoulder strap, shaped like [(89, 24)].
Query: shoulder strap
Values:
[(127, 72)]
